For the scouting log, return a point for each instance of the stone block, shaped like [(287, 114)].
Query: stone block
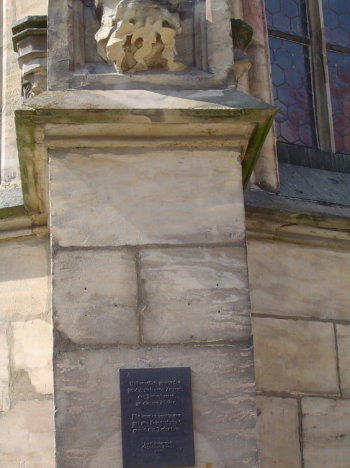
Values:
[(88, 403), (27, 435), (4, 369), (326, 433), (343, 334), (95, 296), (295, 356), (151, 196), (195, 294), (306, 281), (24, 279), (32, 353), (278, 425)]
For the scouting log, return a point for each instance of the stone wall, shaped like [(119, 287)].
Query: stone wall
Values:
[(301, 323), (127, 278), (26, 384), (300, 300), (149, 270)]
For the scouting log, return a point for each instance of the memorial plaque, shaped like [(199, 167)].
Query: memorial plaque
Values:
[(156, 412)]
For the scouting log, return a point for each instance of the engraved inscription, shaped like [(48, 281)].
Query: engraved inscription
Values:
[(156, 422), (155, 393), (157, 447), (156, 417)]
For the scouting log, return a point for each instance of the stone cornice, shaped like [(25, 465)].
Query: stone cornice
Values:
[(27, 27), (297, 227), (110, 119)]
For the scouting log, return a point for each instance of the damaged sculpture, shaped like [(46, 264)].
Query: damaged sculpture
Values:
[(138, 35)]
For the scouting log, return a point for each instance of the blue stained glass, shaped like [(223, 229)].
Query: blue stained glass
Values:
[(287, 16), (339, 76), (337, 21), (292, 91)]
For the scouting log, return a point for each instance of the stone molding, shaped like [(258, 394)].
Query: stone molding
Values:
[(110, 119), (298, 228)]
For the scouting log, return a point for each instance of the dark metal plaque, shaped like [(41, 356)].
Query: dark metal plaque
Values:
[(157, 423)]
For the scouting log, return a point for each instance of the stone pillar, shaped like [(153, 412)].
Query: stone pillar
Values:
[(149, 147), (149, 270)]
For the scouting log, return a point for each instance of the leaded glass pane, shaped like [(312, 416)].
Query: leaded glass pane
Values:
[(339, 75), (292, 91), (337, 21), (287, 16)]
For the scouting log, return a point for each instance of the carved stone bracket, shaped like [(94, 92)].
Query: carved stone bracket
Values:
[(138, 35), (242, 34), (30, 42)]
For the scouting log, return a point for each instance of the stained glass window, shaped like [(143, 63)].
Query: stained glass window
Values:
[(301, 30), (337, 28), (288, 16), (292, 92), (289, 49), (339, 75), (337, 22)]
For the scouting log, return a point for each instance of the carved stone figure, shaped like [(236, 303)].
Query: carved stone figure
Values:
[(138, 35)]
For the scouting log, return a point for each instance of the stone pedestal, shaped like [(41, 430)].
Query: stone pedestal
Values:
[(148, 258), (150, 271)]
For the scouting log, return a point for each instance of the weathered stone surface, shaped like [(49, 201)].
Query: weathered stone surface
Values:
[(24, 279), (206, 100), (95, 296), (4, 369), (278, 425), (27, 436), (326, 431), (150, 196), (195, 294), (305, 281), (343, 333), (87, 399), (295, 356), (32, 353), (208, 40), (141, 21)]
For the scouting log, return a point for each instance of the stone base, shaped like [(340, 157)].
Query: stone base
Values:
[(88, 404)]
